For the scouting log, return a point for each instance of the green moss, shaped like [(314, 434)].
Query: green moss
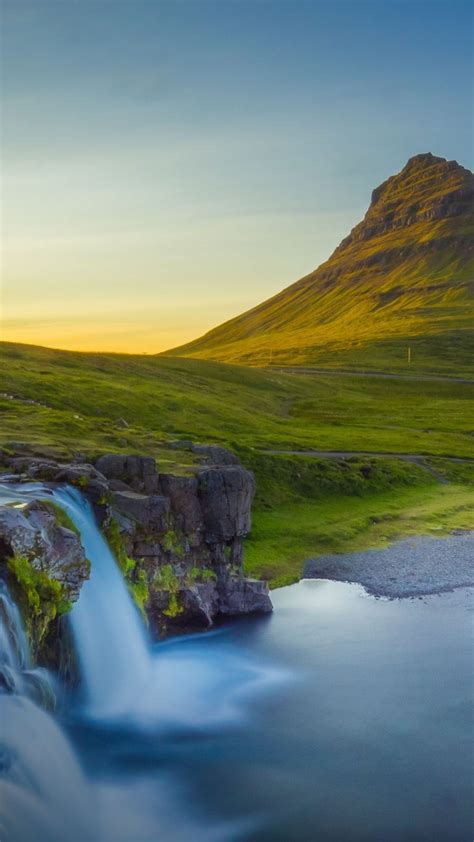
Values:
[(138, 587), (165, 579), (199, 574), (134, 578), (40, 598), (62, 517), (172, 543), (208, 575), (174, 608), (114, 538)]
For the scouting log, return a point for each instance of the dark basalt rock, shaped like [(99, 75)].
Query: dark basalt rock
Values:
[(138, 472), (184, 532), (245, 596), (198, 605), (48, 570), (226, 495), (34, 533), (150, 511), (182, 492)]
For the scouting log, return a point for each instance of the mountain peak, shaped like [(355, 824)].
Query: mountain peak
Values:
[(428, 187), (423, 159), (402, 276)]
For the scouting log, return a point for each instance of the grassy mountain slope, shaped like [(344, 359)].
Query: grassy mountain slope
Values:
[(403, 277), (66, 402)]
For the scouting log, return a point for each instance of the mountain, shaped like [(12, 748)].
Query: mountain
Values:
[(403, 278)]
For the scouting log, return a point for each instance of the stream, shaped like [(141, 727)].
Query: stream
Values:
[(339, 717)]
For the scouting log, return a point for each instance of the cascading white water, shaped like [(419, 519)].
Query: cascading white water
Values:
[(121, 675), (109, 635), (41, 782), (16, 674), (44, 795), (110, 638)]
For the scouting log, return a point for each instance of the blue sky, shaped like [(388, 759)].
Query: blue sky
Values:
[(170, 164)]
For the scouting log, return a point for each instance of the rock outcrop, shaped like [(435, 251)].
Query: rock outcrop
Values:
[(43, 563), (177, 536), (186, 536)]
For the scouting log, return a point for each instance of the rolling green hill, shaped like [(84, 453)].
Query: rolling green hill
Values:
[(402, 278), (377, 469)]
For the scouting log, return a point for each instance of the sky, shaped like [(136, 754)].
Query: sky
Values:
[(168, 165)]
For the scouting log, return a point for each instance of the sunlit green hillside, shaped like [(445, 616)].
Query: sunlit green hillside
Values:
[(80, 400), (71, 403)]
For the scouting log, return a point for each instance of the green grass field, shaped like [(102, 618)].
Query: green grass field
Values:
[(279, 545), (76, 403)]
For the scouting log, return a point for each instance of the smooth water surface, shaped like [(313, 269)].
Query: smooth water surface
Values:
[(340, 717), (364, 733)]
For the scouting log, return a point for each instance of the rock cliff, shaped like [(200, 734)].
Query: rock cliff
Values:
[(178, 537)]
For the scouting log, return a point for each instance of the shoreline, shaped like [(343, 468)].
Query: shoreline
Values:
[(408, 568)]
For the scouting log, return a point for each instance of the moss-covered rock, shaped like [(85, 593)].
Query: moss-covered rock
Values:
[(43, 561)]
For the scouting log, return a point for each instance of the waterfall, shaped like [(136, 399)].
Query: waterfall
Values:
[(110, 637), (123, 677), (16, 675), (127, 682), (42, 788)]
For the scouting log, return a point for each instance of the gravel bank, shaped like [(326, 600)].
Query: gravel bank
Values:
[(412, 567)]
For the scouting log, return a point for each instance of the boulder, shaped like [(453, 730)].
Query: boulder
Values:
[(34, 532), (245, 596), (150, 511), (138, 472), (197, 605)]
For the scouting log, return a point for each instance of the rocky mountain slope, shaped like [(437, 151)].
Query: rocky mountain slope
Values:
[(403, 277)]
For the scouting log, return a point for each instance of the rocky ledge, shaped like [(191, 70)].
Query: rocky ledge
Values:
[(178, 537)]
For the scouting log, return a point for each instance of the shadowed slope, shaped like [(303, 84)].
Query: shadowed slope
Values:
[(402, 277)]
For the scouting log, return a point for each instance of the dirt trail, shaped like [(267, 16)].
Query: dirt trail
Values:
[(383, 374)]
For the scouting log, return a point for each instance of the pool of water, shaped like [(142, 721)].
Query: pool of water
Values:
[(340, 717)]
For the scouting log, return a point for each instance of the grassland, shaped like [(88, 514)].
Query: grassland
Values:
[(91, 403), (279, 545)]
